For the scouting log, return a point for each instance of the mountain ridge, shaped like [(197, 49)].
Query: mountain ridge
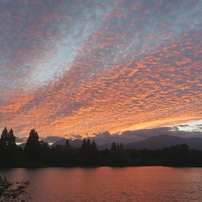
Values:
[(151, 143)]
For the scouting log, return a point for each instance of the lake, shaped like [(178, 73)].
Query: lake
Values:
[(110, 184)]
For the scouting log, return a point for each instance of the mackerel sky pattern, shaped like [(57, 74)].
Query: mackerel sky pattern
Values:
[(83, 66)]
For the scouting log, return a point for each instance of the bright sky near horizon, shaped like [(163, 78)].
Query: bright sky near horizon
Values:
[(83, 66)]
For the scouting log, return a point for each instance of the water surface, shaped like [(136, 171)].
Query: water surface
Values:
[(111, 184)]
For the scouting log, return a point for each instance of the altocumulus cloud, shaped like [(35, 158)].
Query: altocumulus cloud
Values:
[(77, 67)]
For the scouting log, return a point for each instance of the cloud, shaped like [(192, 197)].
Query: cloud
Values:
[(139, 135), (51, 139), (127, 136), (75, 137), (79, 67), (20, 139)]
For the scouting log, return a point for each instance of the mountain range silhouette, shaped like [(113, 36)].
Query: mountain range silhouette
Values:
[(152, 143)]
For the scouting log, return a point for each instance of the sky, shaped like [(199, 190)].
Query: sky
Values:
[(85, 67)]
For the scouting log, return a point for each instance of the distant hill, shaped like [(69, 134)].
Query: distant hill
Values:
[(22, 145), (159, 142), (152, 143), (75, 143), (162, 141), (105, 146)]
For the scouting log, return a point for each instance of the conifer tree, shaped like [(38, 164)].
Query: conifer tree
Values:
[(95, 154), (83, 151), (88, 147), (94, 147), (67, 143), (86, 152), (84, 146), (113, 146), (4, 137), (7, 138), (11, 138), (32, 146), (8, 148)]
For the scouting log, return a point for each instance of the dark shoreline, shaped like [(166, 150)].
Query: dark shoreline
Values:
[(38, 165)]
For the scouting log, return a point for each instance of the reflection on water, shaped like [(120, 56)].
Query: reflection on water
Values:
[(111, 184)]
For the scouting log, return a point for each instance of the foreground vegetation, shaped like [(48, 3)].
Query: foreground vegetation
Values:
[(37, 153), (13, 191)]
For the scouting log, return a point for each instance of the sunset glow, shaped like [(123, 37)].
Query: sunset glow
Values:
[(77, 67)]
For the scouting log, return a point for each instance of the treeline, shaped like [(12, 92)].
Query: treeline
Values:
[(37, 153)]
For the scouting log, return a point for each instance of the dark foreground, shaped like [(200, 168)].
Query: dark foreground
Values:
[(37, 153), (88, 155)]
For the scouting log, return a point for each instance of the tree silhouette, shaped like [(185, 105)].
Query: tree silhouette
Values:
[(11, 138), (14, 191), (67, 143), (84, 145), (8, 148), (43, 146), (4, 137), (89, 153), (32, 146), (7, 138), (94, 153), (113, 146), (94, 147), (177, 155), (84, 152)]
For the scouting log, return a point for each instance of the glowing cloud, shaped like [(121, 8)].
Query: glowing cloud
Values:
[(75, 67)]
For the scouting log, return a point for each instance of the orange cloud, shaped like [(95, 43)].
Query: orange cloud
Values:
[(138, 66)]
